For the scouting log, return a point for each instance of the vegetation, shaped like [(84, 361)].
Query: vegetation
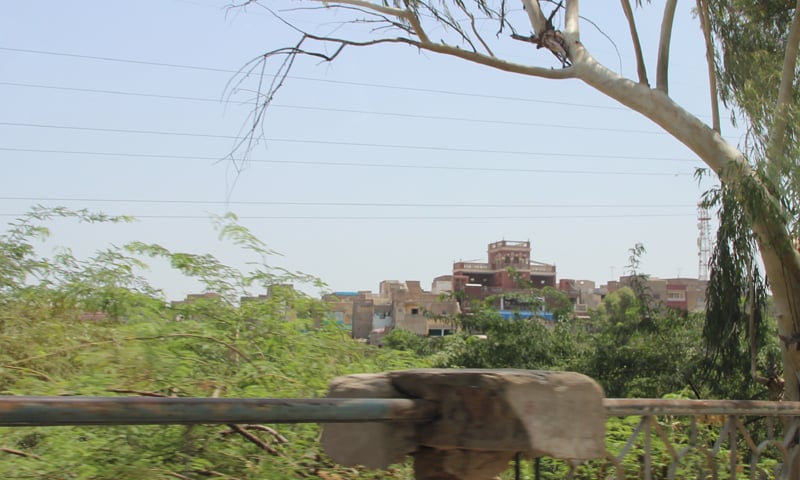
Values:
[(71, 326), (96, 327)]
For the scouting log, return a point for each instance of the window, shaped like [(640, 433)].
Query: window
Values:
[(415, 311), (439, 332), (676, 296)]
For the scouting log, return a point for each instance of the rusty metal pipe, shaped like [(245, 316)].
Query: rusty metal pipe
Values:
[(619, 407), (18, 411)]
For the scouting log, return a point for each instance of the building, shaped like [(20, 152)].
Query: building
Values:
[(508, 262), (686, 294), (508, 272), (396, 305), (583, 295)]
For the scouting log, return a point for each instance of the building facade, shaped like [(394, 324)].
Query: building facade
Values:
[(397, 304), (508, 263), (686, 294)]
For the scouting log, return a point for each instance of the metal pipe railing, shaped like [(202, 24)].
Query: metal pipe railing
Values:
[(54, 411), (621, 407), (20, 411)]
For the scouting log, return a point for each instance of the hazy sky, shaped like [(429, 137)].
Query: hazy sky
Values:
[(387, 164)]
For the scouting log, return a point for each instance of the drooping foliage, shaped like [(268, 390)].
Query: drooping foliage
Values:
[(752, 37), (740, 342)]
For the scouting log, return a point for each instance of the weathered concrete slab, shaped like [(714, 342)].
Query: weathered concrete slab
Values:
[(559, 414), (483, 418), (374, 445)]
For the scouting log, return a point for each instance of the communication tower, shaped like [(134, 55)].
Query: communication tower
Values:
[(703, 242)]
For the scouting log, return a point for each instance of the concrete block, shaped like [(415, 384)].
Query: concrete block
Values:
[(484, 417), (373, 445), (558, 414)]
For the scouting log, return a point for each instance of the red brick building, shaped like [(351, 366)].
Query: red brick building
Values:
[(494, 274)]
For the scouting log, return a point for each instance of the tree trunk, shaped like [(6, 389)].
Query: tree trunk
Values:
[(784, 281), (781, 261)]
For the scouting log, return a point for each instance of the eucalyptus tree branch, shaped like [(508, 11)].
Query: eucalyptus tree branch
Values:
[(535, 15), (641, 70), (777, 134), (662, 67), (479, 58), (401, 13), (572, 21), (475, 29), (705, 24)]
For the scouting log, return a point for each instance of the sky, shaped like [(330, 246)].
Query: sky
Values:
[(388, 163)]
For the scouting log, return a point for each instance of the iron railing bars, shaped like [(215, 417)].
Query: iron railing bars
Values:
[(55, 411), (17, 411), (620, 473), (623, 407), (648, 448)]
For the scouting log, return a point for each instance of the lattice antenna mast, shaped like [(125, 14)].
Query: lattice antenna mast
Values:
[(703, 242)]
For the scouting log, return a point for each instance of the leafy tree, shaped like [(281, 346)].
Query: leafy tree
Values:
[(216, 346), (633, 355), (765, 195)]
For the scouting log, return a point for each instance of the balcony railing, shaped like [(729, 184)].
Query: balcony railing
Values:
[(472, 266), (539, 268), (645, 438)]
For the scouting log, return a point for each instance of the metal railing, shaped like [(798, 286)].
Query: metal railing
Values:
[(22, 411), (662, 439), (703, 439)]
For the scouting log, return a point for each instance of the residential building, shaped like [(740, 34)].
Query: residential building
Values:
[(583, 295), (507, 262), (687, 294), (396, 305), (509, 271)]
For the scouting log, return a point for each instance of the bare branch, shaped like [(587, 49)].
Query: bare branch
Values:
[(777, 134), (705, 24), (19, 453), (662, 68), (254, 439), (404, 14), (37, 373), (637, 45), (474, 28), (136, 392), (280, 438), (535, 15), (266, 91)]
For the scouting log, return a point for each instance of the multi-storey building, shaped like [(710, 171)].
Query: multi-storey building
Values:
[(507, 261), (508, 272), (397, 304)]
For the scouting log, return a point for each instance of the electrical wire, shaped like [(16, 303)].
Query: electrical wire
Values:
[(334, 204), (339, 110), (337, 217), (336, 143), (311, 79), (318, 163)]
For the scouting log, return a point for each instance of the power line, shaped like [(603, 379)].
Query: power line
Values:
[(319, 217), (311, 79), (336, 110), (323, 80), (357, 164), (338, 204), (337, 143)]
